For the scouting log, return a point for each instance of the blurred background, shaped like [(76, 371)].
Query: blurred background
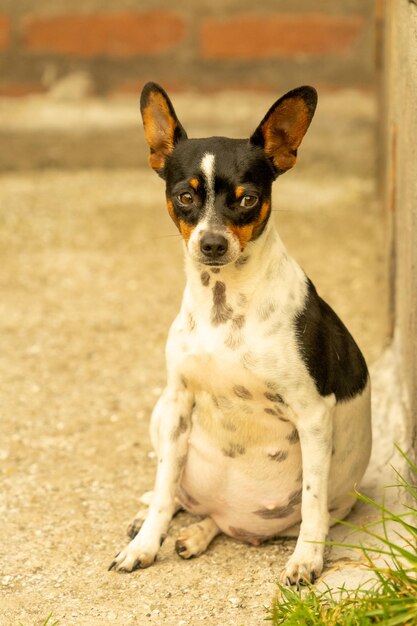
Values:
[(69, 51), (92, 271)]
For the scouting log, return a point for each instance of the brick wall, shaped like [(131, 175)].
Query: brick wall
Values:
[(120, 44)]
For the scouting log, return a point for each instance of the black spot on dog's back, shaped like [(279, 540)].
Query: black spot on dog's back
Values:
[(329, 351)]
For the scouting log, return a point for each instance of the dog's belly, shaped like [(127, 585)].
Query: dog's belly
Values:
[(243, 469)]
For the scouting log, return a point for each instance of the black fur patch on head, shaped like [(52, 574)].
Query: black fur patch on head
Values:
[(330, 353), (237, 163)]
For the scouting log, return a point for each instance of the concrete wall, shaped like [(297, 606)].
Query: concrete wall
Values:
[(399, 112), (118, 45)]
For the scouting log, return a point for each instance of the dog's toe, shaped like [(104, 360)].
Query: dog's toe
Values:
[(300, 572), (128, 561)]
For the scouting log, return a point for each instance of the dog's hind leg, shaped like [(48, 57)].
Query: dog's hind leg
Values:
[(196, 538)]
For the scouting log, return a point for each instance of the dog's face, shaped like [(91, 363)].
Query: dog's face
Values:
[(218, 190)]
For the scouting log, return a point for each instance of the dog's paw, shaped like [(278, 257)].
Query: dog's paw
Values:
[(189, 544), (195, 539), (299, 570), (131, 559), (136, 524)]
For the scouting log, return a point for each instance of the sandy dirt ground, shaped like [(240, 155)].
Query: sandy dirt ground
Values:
[(91, 277)]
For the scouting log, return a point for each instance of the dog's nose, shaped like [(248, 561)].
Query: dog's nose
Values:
[(213, 245)]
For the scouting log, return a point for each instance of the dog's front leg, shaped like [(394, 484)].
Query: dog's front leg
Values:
[(315, 431), (173, 410)]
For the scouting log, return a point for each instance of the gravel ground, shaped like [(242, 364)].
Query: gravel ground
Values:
[(91, 277)]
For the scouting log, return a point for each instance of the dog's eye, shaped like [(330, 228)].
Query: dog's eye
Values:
[(185, 198), (248, 202)]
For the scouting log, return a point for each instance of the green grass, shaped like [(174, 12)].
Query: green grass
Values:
[(391, 598)]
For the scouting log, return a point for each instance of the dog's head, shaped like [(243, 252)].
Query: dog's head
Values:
[(218, 190)]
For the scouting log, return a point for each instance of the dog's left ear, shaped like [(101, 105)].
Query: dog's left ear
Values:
[(284, 126), (162, 128)]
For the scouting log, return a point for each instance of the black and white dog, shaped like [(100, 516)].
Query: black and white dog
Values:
[(263, 429)]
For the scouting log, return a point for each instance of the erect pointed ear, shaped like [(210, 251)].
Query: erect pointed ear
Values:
[(283, 127), (162, 128)]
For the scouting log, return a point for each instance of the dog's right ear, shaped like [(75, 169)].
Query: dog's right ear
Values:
[(162, 128)]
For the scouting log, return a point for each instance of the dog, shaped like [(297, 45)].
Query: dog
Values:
[(264, 426)]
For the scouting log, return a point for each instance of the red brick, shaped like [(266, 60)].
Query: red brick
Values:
[(111, 34), (14, 90), (260, 37), (4, 32)]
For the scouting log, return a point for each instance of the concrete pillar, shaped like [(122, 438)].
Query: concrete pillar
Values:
[(398, 107)]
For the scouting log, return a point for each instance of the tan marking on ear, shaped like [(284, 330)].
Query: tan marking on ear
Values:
[(251, 231), (239, 191), (284, 130), (194, 183), (159, 128)]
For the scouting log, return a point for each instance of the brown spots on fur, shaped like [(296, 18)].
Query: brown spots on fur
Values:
[(249, 360), (234, 450), (293, 437), (277, 512), (229, 425), (248, 537), (215, 270), (180, 429), (251, 231), (274, 397), (273, 412), (238, 321), (221, 312), (266, 310), (239, 191), (279, 456), (233, 341), (205, 278), (190, 322), (242, 260), (242, 392), (194, 183), (180, 466), (184, 382)]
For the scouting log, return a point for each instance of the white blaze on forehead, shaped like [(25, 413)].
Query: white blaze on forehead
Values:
[(208, 169)]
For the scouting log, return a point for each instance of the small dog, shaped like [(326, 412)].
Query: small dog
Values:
[(264, 426)]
